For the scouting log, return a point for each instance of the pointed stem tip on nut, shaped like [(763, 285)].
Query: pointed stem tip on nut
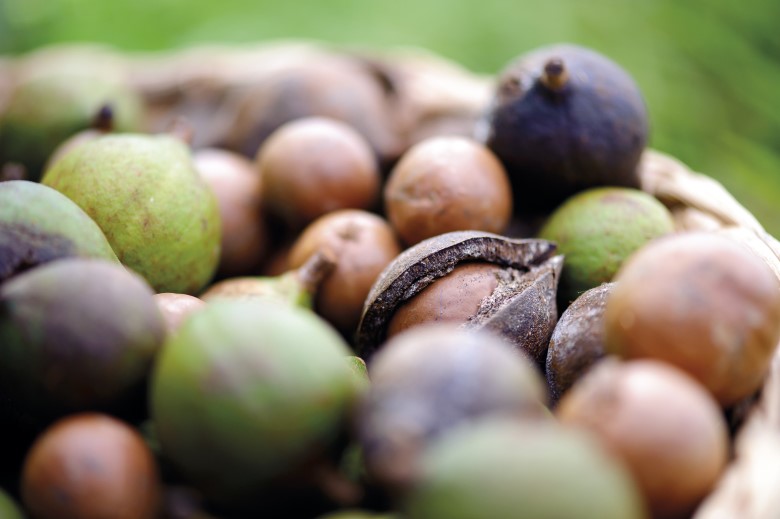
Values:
[(555, 76), (12, 171), (104, 119), (312, 273)]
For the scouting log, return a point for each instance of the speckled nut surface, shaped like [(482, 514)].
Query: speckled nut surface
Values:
[(702, 302)]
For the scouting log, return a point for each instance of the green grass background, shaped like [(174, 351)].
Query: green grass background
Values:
[(709, 69)]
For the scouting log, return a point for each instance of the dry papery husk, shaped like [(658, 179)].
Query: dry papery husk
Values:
[(208, 82), (211, 84)]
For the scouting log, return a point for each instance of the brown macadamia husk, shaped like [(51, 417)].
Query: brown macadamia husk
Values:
[(577, 341), (521, 308)]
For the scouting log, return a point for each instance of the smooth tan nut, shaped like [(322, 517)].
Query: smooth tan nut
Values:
[(90, 466), (175, 308), (362, 244), (454, 298), (238, 189), (447, 184), (701, 302), (316, 165), (664, 425)]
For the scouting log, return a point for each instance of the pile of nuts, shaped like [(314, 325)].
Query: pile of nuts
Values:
[(285, 287)]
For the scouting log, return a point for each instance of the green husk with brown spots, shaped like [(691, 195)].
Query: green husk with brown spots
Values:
[(143, 191)]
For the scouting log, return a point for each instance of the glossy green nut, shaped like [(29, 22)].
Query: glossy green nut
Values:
[(514, 470), (8, 509), (143, 191), (38, 224), (248, 391), (597, 229)]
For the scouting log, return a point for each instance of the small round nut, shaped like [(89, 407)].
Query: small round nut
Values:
[(236, 184), (447, 184), (363, 244), (90, 466), (703, 303), (316, 165), (453, 298), (664, 425)]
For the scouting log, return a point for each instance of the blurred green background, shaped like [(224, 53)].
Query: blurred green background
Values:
[(710, 69)]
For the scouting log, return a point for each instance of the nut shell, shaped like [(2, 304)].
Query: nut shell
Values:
[(316, 165), (663, 424), (454, 298), (703, 303), (175, 308), (237, 187), (419, 266), (91, 466), (447, 184), (362, 245)]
